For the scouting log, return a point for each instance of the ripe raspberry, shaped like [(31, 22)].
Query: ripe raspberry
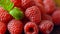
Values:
[(27, 3), (46, 26), (17, 3), (15, 26), (4, 15), (46, 17), (56, 17), (41, 8), (2, 28), (38, 1), (31, 28), (33, 14), (49, 6)]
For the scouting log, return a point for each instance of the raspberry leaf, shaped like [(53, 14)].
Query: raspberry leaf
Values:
[(6, 4), (16, 13)]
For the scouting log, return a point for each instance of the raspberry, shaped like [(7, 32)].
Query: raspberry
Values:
[(38, 1), (27, 3), (39, 4), (31, 28), (4, 15), (2, 28), (33, 14), (46, 26), (49, 6), (17, 3), (56, 17), (15, 26), (41, 8), (46, 17)]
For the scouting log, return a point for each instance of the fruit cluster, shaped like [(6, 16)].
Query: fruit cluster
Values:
[(29, 16)]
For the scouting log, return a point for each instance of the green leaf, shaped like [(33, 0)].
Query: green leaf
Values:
[(1, 1), (7, 1), (16, 13), (6, 4), (9, 7)]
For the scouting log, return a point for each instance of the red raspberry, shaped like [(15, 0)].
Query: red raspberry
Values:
[(41, 8), (46, 26), (2, 28), (38, 1), (17, 3), (39, 4), (4, 15), (31, 28), (33, 14), (46, 17), (27, 3), (49, 6), (56, 17), (15, 26)]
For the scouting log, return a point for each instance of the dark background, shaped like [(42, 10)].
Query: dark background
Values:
[(56, 30)]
